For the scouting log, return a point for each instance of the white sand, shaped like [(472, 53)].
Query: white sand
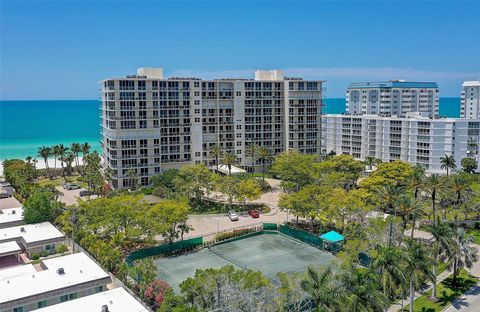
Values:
[(51, 164)]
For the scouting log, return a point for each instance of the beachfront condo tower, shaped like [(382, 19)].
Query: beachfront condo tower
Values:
[(394, 97), (151, 123), (470, 103)]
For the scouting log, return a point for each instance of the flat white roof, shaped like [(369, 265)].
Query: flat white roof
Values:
[(11, 215), (235, 170), (31, 232), (19, 282), (475, 83), (117, 300), (9, 247)]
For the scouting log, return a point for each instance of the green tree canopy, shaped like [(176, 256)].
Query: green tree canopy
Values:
[(41, 206)]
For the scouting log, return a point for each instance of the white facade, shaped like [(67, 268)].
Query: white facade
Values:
[(470, 102), (26, 288), (395, 97), (150, 124), (11, 217), (116, 300), (414, 139)]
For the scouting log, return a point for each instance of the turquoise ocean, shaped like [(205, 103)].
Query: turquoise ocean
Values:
[(27, 125)]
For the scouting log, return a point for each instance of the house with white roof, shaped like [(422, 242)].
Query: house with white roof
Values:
[(34, 238), (56, 280), (115, 300), (11, 217)]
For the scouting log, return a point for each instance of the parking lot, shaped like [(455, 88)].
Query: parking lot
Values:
[(70, 197)]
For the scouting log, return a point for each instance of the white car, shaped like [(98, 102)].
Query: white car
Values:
[(232, 215)]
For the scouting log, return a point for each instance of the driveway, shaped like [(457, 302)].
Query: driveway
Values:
[(470, 302), (70, 197)]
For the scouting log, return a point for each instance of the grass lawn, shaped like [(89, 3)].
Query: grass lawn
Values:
[(59, 181), (476, 235), (446, 293)]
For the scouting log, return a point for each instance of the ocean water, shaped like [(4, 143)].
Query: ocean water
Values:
[(27, 125)]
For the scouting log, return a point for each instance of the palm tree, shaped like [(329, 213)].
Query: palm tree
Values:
[(251, 151), (417, 180), (320, 284), (76, 148), (442, 234), (45, 152), (458, 184), (62, 150), (69, 158), (28, 159), (364, 295), (264, 155), (462, 254), (417, 265), (216, 152), (370, 161), (434, 184), (448, 162), (388, 265), (133, 177), (387, 196), (85, 148), (55, 153), (229, 160), (410, 210)]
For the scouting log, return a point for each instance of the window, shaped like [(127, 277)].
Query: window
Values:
[(42, 304), (19, 309), (50, 247), (239, 127), (239, 93), (100, 288)]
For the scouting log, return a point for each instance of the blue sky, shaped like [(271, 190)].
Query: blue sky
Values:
[(60, 50)]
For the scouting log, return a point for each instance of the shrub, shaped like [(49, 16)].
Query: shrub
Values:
[(61, 249), (35, 256), (44, 253), (235, 233), (264, 185)]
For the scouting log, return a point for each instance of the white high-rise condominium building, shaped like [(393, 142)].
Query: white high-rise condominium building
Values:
[(394, 97), (150, 124), (470, 103), (414, 139)]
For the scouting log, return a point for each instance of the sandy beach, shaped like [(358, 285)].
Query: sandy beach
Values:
[(41, 164)]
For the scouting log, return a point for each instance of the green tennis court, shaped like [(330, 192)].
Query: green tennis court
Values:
[(269, 253)]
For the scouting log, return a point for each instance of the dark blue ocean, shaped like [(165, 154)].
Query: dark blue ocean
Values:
[(27, 125)]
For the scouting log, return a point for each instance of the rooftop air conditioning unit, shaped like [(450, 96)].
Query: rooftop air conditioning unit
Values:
[(105, 308), (22, 229), (60, 271)]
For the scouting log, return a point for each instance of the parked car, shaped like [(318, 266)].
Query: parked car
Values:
[(5, 195), (232, 215), (71, 186), (254, 213), (85, 193)]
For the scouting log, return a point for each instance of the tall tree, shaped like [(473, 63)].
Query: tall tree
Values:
[(85, 148), (133, 178), (216, 152), (45, 152), (469, 165), (410, 210), (251, 151), (387, 264), (264, 155), (55, 153), (41, 206), (229, 160), (62, 150), (417, 265), (76, 148), (387, 197), (322, 287), (417, 180), (448, 162), (434, 185), (370, 162), (463, 254), (443, 243)]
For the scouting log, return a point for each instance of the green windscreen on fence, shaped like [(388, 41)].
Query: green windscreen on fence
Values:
[(163, 249), (270, 227), (301, 235)]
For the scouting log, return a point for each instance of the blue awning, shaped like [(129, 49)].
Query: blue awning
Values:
[(332, 237)]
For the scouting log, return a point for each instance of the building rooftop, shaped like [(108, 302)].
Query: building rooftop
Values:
[(11, 215), (9, 248), (31, 232), (392, 84), (407, 117), (117, 300), (475, 83), (59, 273)]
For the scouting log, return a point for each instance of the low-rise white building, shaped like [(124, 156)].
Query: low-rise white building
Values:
[(28, 287), (470, 102), (34, 238), (115, 300), (414, 139), (11, 217)]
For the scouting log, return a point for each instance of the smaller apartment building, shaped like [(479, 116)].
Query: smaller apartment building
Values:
[(470, 101), (11, 217), (28, 287), (414, 139), (34, 238)]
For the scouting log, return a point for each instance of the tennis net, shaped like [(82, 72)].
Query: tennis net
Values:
[(229, 259)]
